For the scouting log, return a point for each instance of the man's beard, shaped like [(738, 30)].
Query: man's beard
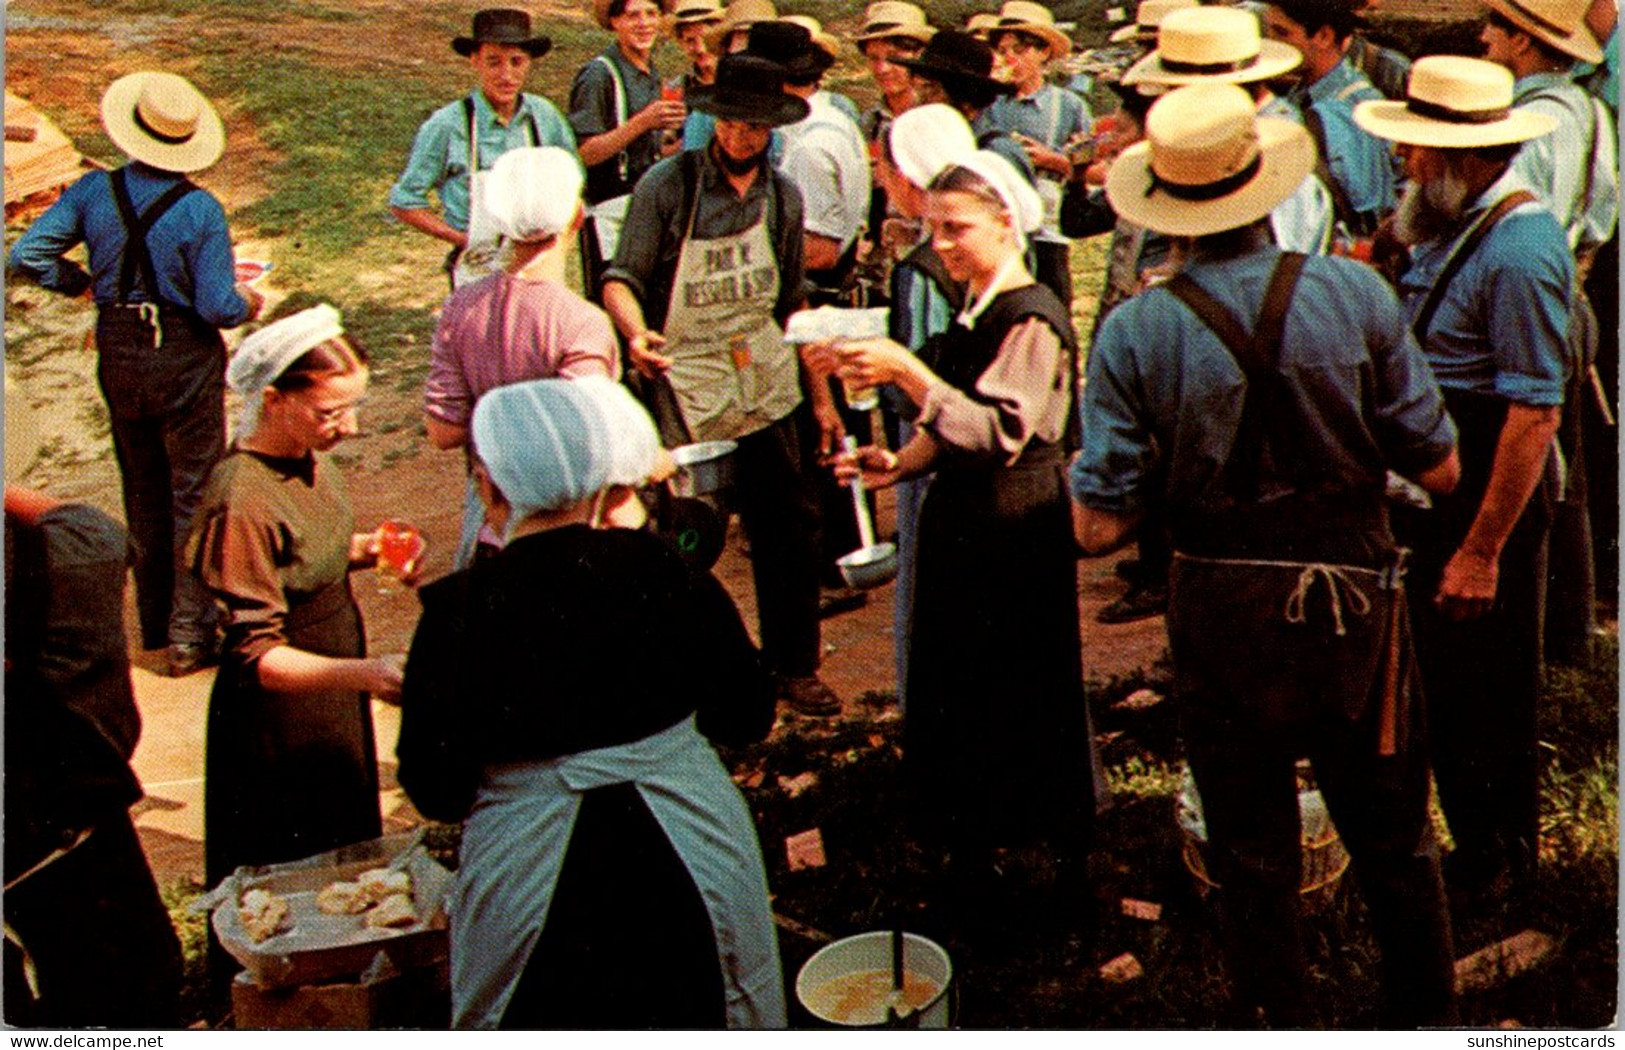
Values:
[(1431, 210), (733, 167)]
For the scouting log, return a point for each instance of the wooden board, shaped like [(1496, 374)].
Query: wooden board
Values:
[(43, 164)]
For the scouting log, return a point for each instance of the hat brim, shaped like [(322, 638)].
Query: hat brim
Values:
[(954, 76), (1274, 59), (1287, 156), (1131, 33), (1396, 122), (919, 34), (1060, 44), (774, 110), (1579, 44), (200, 151), (535, 46)]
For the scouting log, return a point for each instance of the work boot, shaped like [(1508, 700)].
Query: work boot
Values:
[(185, 658), (808, 695)]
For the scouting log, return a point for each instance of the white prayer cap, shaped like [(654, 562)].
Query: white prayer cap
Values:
[(926, 139), (532, 194), (266, 354), (634, 446), (544, 444), (1019, 197)]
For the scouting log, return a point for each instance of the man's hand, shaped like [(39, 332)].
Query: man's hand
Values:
[(641, 348), (1467, 588), (830, 430), (665, 114)]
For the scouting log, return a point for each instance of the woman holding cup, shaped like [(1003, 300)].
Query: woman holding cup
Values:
[(997, 733), (290, 763)]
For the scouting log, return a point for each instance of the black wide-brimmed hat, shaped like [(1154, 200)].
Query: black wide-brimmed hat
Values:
[(502, 25), (791, 47), (957, 59), (748, 87)]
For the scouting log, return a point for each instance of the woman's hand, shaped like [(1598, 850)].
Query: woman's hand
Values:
[(820, 359), (878, 467), (364, 548), (874, 362)]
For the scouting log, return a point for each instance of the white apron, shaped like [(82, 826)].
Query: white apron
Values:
[(486, 252), (609, 216), (513, 849), (731, 370)]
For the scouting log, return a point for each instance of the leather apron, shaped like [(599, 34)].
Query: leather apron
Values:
[(731, 371)]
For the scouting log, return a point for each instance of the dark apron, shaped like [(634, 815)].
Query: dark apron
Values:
[(289, 775)]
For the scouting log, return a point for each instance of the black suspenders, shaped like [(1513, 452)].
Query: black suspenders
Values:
[(1266, 405), (137, 256)]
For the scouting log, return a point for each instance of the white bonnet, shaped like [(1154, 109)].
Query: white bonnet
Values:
[(267, 353), (532, 194), (926, 139)]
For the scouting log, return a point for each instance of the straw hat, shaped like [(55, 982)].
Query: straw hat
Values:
[(828, 44), (741, 14), (162, 120), (981, 24), (1147, 17), (1560, 23), (893, 18), (687, 12), (1454, 103), (507, 25), (1208, 163), (1212, 45), (1022, 16)]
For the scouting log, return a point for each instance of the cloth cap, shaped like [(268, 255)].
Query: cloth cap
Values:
[(544, 444), (927, 139), (634, 445), (267, 353), (1454, 103), (533, 193), (1020, 198)]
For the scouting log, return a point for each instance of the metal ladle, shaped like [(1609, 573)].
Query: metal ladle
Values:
[(873, 564)]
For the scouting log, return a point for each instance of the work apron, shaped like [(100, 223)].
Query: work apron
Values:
[(486, 252), (732, 373), (514, 847)]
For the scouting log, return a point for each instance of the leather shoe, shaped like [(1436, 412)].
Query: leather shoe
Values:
[(188, 657), (1139, 603), (808, 695)]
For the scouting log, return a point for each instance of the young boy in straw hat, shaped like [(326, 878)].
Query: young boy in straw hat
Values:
[(163, 277), (1261, 362), (1045, 119), (461, 140), (691, 24), (1487, 292)]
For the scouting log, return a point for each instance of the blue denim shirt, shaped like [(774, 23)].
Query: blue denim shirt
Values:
[(439, 159), (1502, 326), (1359, 162), (190, 246), (1161, 387)]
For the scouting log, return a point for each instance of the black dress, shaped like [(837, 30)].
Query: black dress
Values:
[(287, 776), (997, 737), (569, 641)]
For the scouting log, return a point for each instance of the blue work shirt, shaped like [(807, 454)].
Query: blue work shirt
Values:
[(1502, 326), (439, 159), (1574, 168), (1055, 117), (1161, 387), (1359, 162), (990, 136), (597, 107), (190, 246)]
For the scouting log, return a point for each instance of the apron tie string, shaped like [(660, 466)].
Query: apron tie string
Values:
[(148, 312), (1358, 603)]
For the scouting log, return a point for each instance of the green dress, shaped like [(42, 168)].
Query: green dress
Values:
[(285, 776)]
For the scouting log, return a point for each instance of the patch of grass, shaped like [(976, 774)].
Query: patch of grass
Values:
[(1146, 778), (193, 931)]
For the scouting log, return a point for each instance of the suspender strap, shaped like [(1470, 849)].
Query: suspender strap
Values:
[(474, 131), (137, 255), (1265, 404), (623, 160), (1458, 257), (1341, 207)]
